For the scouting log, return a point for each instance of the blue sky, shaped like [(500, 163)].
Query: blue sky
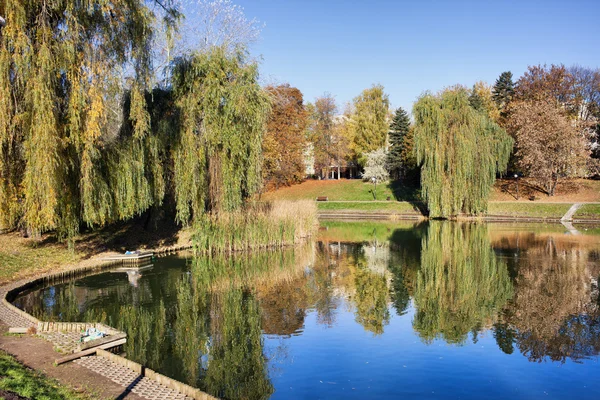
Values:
[(343, 47)]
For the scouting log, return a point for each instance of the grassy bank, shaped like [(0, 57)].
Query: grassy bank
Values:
[(355, 196), (499, 209), (400, 207), (20, 257), (533, 210), (588, 211), (343, 190), (567, 191), (22, 381), (266, 225)]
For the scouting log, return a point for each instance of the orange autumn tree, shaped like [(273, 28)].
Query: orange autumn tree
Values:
[(284, 142)]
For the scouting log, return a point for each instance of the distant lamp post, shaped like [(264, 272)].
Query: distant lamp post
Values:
[(374, 181), (517, 178)]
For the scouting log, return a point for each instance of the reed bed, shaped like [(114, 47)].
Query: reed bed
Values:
[(257, 226)]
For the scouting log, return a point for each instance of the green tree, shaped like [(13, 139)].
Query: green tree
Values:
[(475, 100), (371, 300), (504, 90), (65, 67), (460, 151), (371, 125), (505, 337), (84, 139), (224, 111), (399, 130), (237, 366)]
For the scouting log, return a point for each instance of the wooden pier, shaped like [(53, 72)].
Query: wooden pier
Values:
[(133, 258)]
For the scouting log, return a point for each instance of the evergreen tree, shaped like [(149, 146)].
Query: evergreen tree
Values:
[(475, 100), (399, 129), (460, 150), (504, 90)]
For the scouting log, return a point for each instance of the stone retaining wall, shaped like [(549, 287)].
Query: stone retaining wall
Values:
[(163, 380)]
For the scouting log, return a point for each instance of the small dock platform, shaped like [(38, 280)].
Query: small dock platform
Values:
[(132, 258)]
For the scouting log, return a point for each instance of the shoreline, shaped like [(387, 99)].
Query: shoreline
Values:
[(499, 211), (358, 216), (11, 316)]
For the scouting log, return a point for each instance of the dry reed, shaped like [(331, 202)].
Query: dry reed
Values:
[(256, 226)]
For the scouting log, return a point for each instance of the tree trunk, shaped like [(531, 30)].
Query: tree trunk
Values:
[(214, 183), (553, 185)]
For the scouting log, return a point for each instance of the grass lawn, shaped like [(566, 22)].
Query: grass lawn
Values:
[(20, 257), (402, 207), (568, 191), (588, 211), (15, 378), (522, 209), (343, 190)]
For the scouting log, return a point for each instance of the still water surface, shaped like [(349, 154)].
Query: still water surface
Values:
[(370, 310)]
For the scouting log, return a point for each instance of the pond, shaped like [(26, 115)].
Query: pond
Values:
[(369, 310)]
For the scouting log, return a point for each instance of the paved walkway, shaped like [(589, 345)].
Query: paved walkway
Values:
[(571, 212)]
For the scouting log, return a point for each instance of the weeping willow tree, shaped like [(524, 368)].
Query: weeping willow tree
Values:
[(65, 69), (84, 140), (460, 151), (237, 366), (461, 285), (223, 118)]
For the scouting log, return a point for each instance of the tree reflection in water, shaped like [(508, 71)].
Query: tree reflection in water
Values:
[(205, 322), (554, 313), (461, 284), (215, 328), (237, 367), (371, 299)]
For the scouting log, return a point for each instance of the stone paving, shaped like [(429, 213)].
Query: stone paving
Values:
[(64, 342), (142, 386)]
